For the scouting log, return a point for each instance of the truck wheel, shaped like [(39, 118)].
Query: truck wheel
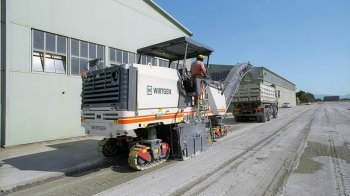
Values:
[(110, 148), (238, 118), (259, 118), (274, 113), (263, 118)]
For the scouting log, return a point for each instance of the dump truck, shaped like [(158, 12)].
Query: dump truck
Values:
[(258, 101), (149, 111)]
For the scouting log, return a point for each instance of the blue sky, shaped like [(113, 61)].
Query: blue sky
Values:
[(305, 41)]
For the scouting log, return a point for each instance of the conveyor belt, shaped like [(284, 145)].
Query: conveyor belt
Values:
[(233, 79)]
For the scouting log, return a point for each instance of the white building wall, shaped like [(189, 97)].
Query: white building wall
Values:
[(285, 95), (44, 106), (124, 24)]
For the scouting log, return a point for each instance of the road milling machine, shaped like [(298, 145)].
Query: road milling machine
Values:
[(149, 111)]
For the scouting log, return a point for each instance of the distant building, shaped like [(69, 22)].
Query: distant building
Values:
[(331, 98), (285, 88)]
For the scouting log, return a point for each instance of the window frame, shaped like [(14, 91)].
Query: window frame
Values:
[(46, 53), (80, 57), (163, 63), (115, 51)]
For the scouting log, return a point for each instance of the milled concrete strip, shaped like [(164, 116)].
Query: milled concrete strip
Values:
[(169, 179)]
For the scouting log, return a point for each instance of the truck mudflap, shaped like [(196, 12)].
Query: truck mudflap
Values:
[(191, 139)]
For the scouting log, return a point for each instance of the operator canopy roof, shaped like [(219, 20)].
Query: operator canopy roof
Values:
[(175, 49)]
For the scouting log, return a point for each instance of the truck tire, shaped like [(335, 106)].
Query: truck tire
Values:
[(263, 118), (238, 119), (274, 113), (110, 148)]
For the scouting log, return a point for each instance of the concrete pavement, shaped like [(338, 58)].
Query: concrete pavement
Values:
[(32, 164)]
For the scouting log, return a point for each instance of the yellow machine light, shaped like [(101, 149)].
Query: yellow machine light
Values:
[(155, 151), (160, 110), (115, 122), (144, 150)]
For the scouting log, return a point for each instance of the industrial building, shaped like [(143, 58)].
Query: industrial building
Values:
[(285, 89), (45, 45), (331, 98)]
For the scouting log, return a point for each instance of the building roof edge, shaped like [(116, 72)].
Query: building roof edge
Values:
[(277, 75), (168, 16), (262, 67)]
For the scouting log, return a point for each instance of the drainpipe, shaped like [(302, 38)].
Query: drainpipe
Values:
[(3, 72)]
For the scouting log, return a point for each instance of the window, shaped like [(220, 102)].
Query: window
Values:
[(54, 63), (81, 53), (39, 37), (38, 61), (118, 57), (163, 63), (131, 57), (125, 57), (175, 65), (145, 60), (151, 60), (49, 52)]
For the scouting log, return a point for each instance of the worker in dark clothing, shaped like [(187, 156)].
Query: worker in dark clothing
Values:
[(198, 70)]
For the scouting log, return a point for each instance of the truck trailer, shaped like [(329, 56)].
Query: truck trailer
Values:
[(149, 112), (257, 101)]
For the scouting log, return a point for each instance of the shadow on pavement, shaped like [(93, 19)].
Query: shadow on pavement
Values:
[(123, 168), (71, 158)]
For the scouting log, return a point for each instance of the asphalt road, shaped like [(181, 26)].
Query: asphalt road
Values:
[(305, 151)]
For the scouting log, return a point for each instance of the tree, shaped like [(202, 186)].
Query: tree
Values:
[(305, 97)]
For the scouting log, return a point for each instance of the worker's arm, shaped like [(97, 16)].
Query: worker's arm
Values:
[(204, 71)]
